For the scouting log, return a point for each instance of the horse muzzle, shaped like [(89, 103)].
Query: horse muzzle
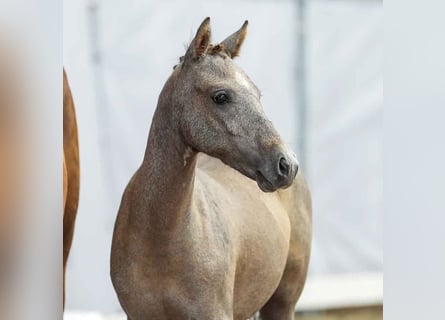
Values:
[(278, 173)]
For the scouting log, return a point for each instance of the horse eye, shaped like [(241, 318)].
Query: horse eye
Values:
[(221, 97)]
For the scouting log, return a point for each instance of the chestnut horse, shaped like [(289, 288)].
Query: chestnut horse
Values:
[(71, 172), (195, 236)]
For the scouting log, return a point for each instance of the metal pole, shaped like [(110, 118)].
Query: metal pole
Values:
[(301, 84), (103, 120)]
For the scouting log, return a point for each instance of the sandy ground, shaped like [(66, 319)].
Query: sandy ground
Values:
[(365, 313)]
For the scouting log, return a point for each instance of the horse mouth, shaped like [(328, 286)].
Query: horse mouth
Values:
[(264, 184)]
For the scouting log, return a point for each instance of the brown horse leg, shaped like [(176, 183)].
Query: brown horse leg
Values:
[(281, 306), (275, 309), (278, 308)]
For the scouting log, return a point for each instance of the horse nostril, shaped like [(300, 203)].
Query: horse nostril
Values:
[(283, 167)]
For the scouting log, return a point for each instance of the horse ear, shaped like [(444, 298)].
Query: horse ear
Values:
[(201, 42), (233, 43)]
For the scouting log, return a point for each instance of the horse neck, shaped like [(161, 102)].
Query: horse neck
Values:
[(166, 176)]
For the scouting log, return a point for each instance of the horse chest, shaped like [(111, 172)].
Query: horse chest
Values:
[(225, 258), (184, 282)]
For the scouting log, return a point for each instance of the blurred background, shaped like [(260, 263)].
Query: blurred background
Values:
[(318, 64)]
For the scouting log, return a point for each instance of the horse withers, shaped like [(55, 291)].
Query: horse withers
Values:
[(216, 222)]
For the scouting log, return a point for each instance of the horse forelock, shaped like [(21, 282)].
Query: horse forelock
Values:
[(212, 50)]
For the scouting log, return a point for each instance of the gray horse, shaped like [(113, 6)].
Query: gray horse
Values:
[(196, 237)]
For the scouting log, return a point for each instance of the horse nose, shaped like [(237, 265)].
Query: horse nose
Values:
[(278, 173), (286, 167), (283, 167)]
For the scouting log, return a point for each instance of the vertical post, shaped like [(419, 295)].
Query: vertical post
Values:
[(301, 84), (103, 120)]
